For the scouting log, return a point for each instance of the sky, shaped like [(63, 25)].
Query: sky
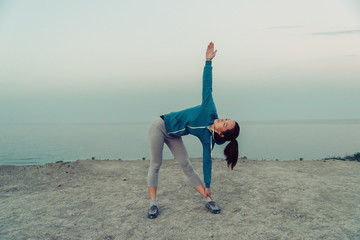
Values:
[(131, 61)]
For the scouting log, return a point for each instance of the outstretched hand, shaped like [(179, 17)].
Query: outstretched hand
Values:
[(210, 53), (208, 193)]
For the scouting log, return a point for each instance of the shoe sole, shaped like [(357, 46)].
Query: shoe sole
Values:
[(152, 216)]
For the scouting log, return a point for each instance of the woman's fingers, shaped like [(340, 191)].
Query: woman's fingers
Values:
[(210, 53), (211, 45), (208, 193)]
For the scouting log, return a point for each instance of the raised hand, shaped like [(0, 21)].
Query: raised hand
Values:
[(210, 53)]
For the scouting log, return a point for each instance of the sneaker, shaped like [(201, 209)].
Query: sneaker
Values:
[(153, 212), (213, 208)]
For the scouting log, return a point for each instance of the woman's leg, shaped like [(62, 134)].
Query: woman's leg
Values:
[(152, 192), (177, 148), (156, 143)]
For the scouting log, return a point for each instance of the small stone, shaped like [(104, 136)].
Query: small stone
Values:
[(211, 235), (124, 179)]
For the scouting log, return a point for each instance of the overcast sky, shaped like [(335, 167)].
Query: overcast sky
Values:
[(119, 61)]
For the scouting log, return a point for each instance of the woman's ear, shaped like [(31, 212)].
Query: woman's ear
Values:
[(218, 139), (221, 135)]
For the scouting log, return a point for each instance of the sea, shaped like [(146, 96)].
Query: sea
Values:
[(28, 144)]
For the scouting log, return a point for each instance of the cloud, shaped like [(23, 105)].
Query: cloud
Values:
[(355, 31)]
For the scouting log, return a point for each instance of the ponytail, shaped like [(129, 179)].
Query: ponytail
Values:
[(231, 152)]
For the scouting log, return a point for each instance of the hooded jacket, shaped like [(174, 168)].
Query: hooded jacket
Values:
[(196, 121)]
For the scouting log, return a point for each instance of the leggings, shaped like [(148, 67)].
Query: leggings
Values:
[(157, 137)]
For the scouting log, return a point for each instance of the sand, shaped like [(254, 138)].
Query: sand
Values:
[(93, 199)]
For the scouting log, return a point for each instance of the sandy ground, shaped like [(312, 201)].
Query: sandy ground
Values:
[(92, 199)]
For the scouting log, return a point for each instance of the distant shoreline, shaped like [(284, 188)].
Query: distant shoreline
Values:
[(172, 159), (289, 121), (24, 145)]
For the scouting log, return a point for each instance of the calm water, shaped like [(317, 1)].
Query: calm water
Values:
[(38, 144)]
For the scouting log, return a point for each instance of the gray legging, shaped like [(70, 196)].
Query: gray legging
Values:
[(157, 137)]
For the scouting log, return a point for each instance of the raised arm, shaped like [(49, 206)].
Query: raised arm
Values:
[(207, 75)]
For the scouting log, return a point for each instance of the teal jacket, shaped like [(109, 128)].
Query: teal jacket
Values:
[(196, 121)]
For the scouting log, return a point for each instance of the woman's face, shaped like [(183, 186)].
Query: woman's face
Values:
[(222, 125)]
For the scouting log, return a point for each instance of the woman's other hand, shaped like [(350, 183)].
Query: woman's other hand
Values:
[(210, 53), (208, 193)]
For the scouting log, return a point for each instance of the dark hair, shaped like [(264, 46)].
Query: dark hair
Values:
[(231, 151)]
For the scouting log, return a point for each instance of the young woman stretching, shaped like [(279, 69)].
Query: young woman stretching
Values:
[(201, 121)]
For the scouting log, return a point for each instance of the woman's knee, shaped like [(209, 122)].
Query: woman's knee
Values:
[(155, 167)]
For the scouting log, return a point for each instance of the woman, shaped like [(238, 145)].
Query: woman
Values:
[(201, 121)]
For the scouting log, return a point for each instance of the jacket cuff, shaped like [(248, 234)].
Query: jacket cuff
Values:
[(207, 185), (208, 63)]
